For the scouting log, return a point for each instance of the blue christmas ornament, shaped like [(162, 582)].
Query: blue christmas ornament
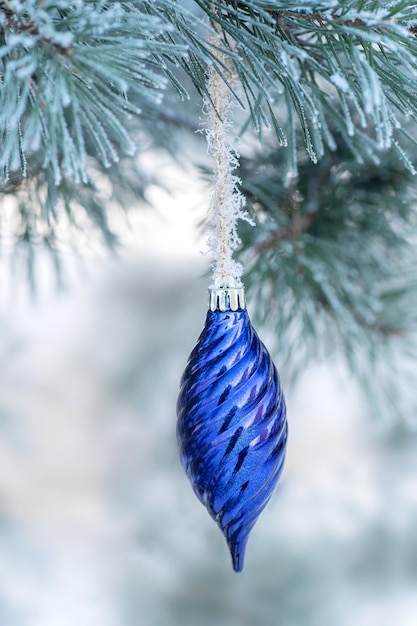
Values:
[(232, 428)]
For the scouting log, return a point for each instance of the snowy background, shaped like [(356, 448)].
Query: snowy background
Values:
[(98, 524)]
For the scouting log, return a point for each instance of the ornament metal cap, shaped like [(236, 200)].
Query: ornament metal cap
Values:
[(227, 299)]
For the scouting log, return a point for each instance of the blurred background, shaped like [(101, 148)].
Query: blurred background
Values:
[(103, 293), (98, 523)]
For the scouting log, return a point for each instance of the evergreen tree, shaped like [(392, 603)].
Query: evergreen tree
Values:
[(328, 88)]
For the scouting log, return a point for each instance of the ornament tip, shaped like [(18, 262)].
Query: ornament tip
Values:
[(237, 551)]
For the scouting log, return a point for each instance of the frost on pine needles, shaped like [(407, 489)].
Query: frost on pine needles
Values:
[(226, 202)]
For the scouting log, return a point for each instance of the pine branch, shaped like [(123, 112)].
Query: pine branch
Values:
[(74, 76), (19, 23), (330, 266), (350, 65), (66, 72)]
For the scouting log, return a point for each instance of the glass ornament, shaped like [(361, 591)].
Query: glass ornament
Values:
[(232, 427)]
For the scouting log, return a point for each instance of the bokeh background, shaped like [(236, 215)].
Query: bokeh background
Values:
[(98, 524)]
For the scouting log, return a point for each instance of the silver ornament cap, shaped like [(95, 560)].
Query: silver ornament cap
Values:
[(227, 299)]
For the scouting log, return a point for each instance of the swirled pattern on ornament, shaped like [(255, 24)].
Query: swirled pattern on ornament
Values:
[(232, 427)]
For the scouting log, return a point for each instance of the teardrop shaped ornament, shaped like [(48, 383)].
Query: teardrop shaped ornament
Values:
[(232, 428)]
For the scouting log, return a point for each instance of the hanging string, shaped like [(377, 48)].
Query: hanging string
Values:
[(226, 202)]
